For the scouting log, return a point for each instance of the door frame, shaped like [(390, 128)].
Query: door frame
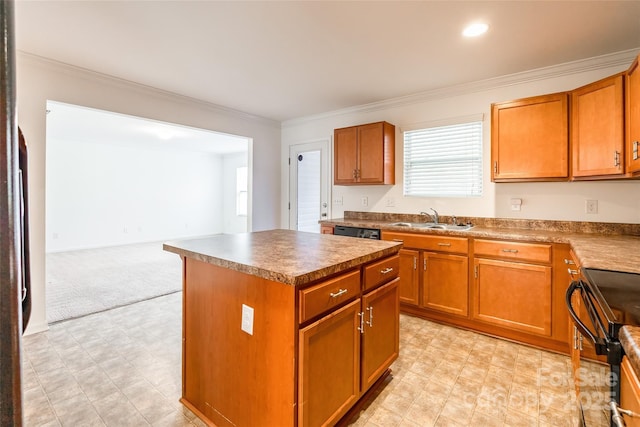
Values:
[(324, 145)]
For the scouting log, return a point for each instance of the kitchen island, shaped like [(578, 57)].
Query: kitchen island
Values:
[(278, 326)]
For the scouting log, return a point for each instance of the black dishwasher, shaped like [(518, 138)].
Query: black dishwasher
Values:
[(363, 233)]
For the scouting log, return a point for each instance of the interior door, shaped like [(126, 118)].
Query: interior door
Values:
[(309, 185)]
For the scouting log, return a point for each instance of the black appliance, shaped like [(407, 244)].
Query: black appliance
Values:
[(15, 294), (363, 233), (610, 300)]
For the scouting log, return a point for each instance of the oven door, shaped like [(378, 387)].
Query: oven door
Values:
[(596, 383)]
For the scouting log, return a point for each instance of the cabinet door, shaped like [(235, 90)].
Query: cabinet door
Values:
[(329, 367), (629, 392), (513, 295), (409, 276), (632, 121), (381, 337), (446, 283), (371, 153), (597, 128), (345, 149), (530, 139)]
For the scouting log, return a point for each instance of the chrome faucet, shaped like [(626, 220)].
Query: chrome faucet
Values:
[(433, 217)]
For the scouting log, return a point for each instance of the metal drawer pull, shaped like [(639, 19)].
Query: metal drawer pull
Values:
[(568, 261), (337, 294), (398, 240), (512, 251), (572, 272), (444, 244), (386, 270), (370, 321)]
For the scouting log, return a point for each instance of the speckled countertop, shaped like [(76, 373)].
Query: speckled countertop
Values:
[(630, 340), (286, 256), (597, 245)]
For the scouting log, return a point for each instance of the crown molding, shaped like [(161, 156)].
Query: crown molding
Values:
[(129, 85), (616, 59)]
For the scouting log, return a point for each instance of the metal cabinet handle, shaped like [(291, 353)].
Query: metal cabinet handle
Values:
[(386, 270), (572, 272), (398, 240), (361, 327), (569, 261), (616, 158), (337, 294), (424, 264), (370, 322), (444, 244), (512, 251), (415, 263), (635, 150), (495, 167)]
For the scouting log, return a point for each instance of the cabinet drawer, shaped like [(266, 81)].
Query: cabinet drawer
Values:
[(513, 250), (431, 243), (380, 272), (328, 294)]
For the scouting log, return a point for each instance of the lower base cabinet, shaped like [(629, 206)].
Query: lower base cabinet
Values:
[(629, 392), (329, 367), (409, 277), (344, 353), (506, 291), (446, 283)]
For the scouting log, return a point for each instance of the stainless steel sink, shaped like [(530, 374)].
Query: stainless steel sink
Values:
[(432, 225)]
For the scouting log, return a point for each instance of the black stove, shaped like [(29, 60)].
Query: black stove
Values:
[(618, 295)]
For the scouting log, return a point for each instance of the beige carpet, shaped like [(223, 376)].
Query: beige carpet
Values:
[(94, 280)]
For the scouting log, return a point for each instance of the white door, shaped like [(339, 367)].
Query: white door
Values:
[(309, 185)]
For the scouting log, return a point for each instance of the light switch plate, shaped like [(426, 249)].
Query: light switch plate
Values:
[(247, 319)]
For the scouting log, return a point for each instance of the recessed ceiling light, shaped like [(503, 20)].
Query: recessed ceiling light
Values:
[(474, 30)]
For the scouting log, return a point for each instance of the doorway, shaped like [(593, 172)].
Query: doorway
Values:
[(310, 172), (117, 187)]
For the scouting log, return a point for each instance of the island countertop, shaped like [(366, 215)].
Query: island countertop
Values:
[(287, 256)]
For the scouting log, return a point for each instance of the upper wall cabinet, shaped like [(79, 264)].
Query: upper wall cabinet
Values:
[(633, 118), (530, 139), (597, 129), (364, 154)]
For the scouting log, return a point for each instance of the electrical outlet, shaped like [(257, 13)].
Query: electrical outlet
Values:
[(391, 202), (365, 201), (337, 201), (247, 319), (591, 207)]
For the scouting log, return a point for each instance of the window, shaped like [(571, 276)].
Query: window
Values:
[(444, 161), (241, 191)]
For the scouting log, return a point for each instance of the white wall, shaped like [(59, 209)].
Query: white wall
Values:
[(232, 223), (39, 80), (618, 201), (102, 194)]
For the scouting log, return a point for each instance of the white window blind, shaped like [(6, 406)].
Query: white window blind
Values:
[(444, 161)]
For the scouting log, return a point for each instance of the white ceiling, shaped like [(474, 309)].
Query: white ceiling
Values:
[(67, 122), (286, 59)]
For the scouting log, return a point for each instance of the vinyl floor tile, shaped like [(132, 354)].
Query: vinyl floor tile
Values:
[(122, 367)]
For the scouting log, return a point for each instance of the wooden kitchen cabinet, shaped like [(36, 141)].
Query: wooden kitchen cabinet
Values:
[(342, 354), (329, 370), (446, 283), (629, 392), (512, 293), (409, 284), (632, 118), (597, 129), (443, 271), (326, 229), (380, 337), (364, 154), (530, 139)]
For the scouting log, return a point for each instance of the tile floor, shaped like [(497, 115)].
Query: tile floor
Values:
[(122, 368)]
